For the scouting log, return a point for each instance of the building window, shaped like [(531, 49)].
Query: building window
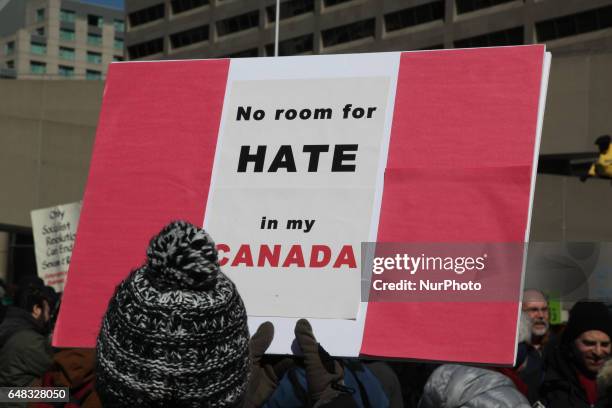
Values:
[(67, 16), (66, 53), (117, 58), (94, 39), (191, 36), (38, 67), (238, 23), (40, 31), (119, 25), (40, 15), (65, 71), (146, 48), (179, 6), (95, 21), (414, 16), (66, 34), (93, 75), (574, 24), (329, 3), (38, 48), (118, 44), (349, 32), (290, 9), (512, 36), (146, 15), (9, 48), (465, 6), (10, 64), (252, 52), (292, 46), (94, 57)]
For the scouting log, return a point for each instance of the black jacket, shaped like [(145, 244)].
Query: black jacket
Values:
[(25, 352), (561, 387), (533, 374)]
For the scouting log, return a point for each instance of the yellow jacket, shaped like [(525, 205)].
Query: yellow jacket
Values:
[(603, 166)]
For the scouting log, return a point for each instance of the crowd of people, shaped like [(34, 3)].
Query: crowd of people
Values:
[(175, 334)]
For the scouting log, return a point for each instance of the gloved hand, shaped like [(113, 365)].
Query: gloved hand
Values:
[(263, 380), (322, 372)]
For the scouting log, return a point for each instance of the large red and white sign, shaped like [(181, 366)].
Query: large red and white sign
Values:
[(292, 163)]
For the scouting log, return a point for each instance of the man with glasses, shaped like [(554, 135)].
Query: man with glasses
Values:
[(535, 306)]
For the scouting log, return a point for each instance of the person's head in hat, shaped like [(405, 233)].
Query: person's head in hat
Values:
[(588, 335), (175, 332)]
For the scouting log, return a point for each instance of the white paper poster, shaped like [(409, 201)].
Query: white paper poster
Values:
[(54, 231), (294, 190)]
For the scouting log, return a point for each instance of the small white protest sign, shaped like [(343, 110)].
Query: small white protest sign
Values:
[(54, 231)]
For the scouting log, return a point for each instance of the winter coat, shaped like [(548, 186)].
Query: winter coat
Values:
[(455, 386), (25, 352), (561, 387), (74, 369)]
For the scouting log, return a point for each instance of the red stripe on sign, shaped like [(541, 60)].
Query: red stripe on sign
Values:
[(157, 118), (459, 170)]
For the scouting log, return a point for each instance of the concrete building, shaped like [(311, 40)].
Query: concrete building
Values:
[(177, 29), (44, 157), (58, 39)]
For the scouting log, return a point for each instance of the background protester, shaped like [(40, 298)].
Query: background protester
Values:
[(455, 386), (535, 306), (175, 332), (25, 353), (572, 367), (75, 370)]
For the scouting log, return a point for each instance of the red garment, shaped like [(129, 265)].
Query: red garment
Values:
[(74, 369), (589, 386), (513, 375)]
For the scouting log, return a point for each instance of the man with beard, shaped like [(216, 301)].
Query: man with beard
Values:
[(573, 365), (535, 306), (25, 352)]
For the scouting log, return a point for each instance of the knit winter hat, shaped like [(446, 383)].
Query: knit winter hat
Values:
[(175, 332), (586, 316)]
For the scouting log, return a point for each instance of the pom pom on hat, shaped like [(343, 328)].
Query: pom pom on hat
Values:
[(182, 256)]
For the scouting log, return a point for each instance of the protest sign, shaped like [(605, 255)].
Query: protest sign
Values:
[(292, 163), (297, 148), (54, 230)]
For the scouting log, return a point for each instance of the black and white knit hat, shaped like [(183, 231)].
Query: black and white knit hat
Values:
[(175, 333)]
